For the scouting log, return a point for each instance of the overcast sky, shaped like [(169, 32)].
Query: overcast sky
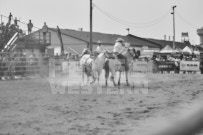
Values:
[(145, 18)]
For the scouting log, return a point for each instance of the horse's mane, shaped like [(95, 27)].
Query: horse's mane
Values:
[(85, 51), (137, 53)]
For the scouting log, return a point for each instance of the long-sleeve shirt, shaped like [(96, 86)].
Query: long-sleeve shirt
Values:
[(118, 47), (45, 28), (29, 25), (99, 49)]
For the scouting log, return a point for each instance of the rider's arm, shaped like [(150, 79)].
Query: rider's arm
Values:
[(122, 49), (97, 49), (115, 48)]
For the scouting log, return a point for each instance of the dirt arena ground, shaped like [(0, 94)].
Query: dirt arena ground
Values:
[(29, 106)]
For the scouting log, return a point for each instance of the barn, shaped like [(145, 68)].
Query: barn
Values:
[(75, 41)]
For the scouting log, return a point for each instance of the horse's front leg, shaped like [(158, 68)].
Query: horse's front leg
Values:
[(106, 76), (99, 73), (88, 79), (112, 78), (126, 75), (93, 74), (106, 79), (98, 79), (82, 76), (106, 82), (119, 78)]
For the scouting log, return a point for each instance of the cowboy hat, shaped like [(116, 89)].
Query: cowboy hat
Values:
[(98, 42), (127, 45), (119, 40)]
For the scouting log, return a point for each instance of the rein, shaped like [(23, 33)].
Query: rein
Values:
[(131, 54)]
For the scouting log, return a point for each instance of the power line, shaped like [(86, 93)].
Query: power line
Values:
[(141, 23), (19, 21), (133, 24), (185, 20)]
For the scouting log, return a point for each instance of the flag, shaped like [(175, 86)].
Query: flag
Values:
[(60, 38)]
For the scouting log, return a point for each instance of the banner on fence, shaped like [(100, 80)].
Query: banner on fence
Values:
[(189, 66), (140, 66), (165, 66)]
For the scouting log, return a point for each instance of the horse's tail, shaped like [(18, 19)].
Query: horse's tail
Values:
[(87, 70), (106, 68)]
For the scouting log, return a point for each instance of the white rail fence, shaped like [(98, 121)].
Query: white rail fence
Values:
[(19, 65)]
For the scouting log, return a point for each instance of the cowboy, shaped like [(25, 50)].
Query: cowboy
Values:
[(119, 48), (99, 48)]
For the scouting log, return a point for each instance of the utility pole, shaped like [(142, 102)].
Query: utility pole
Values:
[(90, 45), (128, 29), (1, 19), (173, 13)]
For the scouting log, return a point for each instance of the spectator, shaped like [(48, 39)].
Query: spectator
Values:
[(44, 31), (9, 18), (181, 56), (146, 59), (154, 57), (16, 22), (66, 56), (70, 56), (177, 65), (2, 26), (201, 65), (30, 26), (2, 29)]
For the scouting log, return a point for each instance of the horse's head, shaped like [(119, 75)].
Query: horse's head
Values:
[(85, 51), (133, 53), (137, 54)]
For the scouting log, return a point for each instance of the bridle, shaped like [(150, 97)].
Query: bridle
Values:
[(131, 54)]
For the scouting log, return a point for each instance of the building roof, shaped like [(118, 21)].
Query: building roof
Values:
[(138, 41), (108, 39), (163, 43), (201, 45), (200, 48)]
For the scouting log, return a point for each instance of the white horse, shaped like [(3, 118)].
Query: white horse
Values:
[(86, 63), (98, 65), (114, 65)]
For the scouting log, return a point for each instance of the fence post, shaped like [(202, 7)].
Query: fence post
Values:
[(52, 67), (64, 66)]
